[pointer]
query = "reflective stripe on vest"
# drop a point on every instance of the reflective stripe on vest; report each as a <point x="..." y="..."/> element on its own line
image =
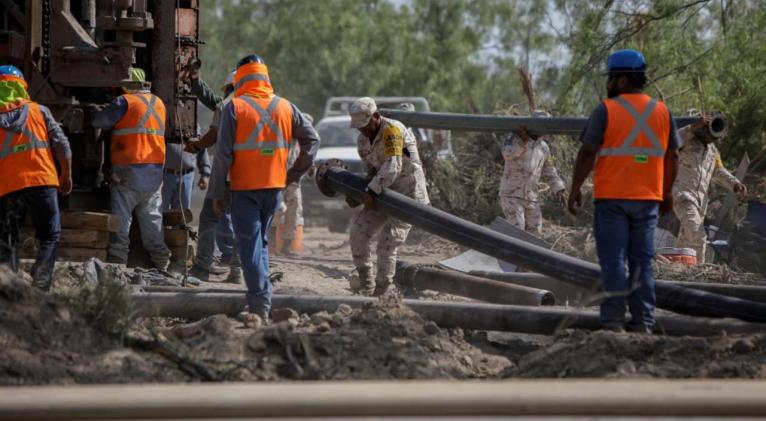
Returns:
<point x="33" y="141"/>
<point x="264" y="118"/>
<point x="141" y="127"/>
<point x="627" y="148"/>
<point x="252" y="77"/>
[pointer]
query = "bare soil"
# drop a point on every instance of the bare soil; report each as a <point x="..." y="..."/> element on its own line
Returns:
<point x="44" y="342"/>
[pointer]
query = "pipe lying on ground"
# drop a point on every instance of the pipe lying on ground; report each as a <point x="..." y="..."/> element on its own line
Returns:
<point x="564" y="291"/>
<point x="570" y="126"/>
<point x="478" y="316"/>
<point x="332" y="180"/>
<point x="457" y="283"/>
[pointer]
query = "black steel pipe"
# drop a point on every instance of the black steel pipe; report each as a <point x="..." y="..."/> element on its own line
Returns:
<point x="565" y="291"/>
<point x="570" y="126"/>
<point x="332" y="180"/>
<point x="457" y="283"/>
<point x="478" y="316"/>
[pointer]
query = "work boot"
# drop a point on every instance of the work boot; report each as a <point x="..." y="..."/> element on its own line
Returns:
<point x="217" y="270"/>
<point x="199" y="273"/>
<point x="361" y="283"/>
<point x="42" y="276"/>
<point x="381" y="288"/>
<point x="639" y="328"/>
<point x="235" y="276"/>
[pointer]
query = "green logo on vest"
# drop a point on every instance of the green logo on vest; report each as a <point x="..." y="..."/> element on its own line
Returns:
<point x="267" y="151"/>
<point x="151" y="131"/>
<point x="641" y="159"/>
<point x="20" y="148"/>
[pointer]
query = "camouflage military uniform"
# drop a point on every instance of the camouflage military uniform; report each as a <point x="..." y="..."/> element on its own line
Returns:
<point x="290" y="212"/>
<point x="698" y="164"/>
<point x="519" y="190"/>
<point x="393" y="162"/>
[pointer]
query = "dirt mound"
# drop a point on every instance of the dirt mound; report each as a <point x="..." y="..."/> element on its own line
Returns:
<point x="610" y="354"/>
<point x="707" y="272"/>
<point x="384" y="340"/>
<point x="43" y="342"/>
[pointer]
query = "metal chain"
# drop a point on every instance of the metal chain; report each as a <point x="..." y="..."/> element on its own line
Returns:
<point x="46" y="34"/>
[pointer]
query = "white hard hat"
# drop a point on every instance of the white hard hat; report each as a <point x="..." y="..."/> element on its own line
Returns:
<point x="229" y="79"/>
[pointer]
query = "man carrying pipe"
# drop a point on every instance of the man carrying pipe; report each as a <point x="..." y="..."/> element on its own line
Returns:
<point x="698" y="163"/>
<point x="390" y="153"/>
<point x="254" y="138"/>
<point x="527" y="157"/>
<point x="631" y="140"/>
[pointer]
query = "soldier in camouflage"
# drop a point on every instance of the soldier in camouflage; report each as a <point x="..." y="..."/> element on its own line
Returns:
<point x="390" y="153"/>
<point x="699" y="162"/>
<point x="527" y="157"/>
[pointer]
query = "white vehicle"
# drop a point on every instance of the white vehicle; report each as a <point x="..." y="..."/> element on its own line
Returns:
<point x="338" y="140"/>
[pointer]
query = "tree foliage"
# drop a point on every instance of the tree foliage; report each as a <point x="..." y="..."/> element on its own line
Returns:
<point x="462" y="56"/>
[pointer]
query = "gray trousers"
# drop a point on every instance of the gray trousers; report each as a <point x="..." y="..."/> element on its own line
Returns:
<point x="146" y="206"/>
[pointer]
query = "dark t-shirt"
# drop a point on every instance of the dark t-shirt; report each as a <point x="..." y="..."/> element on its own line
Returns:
<point x="593" y="133"/>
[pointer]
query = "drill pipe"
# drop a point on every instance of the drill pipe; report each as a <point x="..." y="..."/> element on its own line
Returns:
<point x="478" y="316"/>
<point x="332" y="180"/>
<point x="457" y="283"/>
<point x="570" y="126"/>
<point x="562" y="289"/>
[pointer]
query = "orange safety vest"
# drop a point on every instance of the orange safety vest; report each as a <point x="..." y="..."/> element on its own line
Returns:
<point x="261" y="143"/>
<point x="26" y="159"/>
<point x="139" y="136"/>
<point x="630" y="164"/>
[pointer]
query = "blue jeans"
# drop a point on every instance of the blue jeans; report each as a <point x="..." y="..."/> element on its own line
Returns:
<point x="42" y="204"/>
<point x="146" y="206"/>
<point x="624" y="230"/>
<point x="251" y="213"/>
<point x="175" y="196"/>
<point x="224" y="237"/>
<point x="211" y="228"/>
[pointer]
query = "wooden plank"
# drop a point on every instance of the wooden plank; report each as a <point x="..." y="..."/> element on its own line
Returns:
<point x="175" y="217"/>
<point x="82" y="220"/>
<point x="91" y="239"/>
<point x="75" y="254"/>
<point x="91" y="220"/>
<point x="176" y="237"/>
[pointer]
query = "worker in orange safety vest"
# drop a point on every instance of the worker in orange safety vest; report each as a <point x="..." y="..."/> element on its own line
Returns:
<point x="631" y="141"/>
<point x="31" y="144"/>
<point x="137" y="122"/>
<point x="254" y="137"/>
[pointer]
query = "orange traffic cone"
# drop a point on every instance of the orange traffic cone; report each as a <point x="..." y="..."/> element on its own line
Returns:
<point x="279" y="240"/>
<point x="297" y="244"/>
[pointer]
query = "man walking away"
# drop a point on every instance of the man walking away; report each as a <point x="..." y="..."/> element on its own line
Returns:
<point x="631" y="138"/>
<point x="137" y="122"/>
<point x="30" y="139"/>
<point x="254" y="137"/>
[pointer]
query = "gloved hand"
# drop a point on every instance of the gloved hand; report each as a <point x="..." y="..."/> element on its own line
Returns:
<point x="666" y="206"/>
<point x="575" y="202"/>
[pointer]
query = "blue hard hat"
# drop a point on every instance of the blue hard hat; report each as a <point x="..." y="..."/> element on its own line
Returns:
<point x="626" y="61"/>
<point x="252" y="58"/>
<point x="9" y="70"/>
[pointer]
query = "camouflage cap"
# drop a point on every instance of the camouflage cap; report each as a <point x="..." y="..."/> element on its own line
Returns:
<point x="361" y="111"/>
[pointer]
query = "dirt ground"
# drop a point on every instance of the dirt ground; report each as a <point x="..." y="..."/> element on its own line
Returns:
<point x="44" y="342"/>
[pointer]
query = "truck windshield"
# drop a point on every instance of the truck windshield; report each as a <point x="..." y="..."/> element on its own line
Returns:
<point x="339" y="135"/>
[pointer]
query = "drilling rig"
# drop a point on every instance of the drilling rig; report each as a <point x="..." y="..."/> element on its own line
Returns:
<point x="77" y="55"/>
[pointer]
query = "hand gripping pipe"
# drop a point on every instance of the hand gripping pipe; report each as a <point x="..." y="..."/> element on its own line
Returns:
<point x="332" y="179"/>
<point x="570" y="126"/>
